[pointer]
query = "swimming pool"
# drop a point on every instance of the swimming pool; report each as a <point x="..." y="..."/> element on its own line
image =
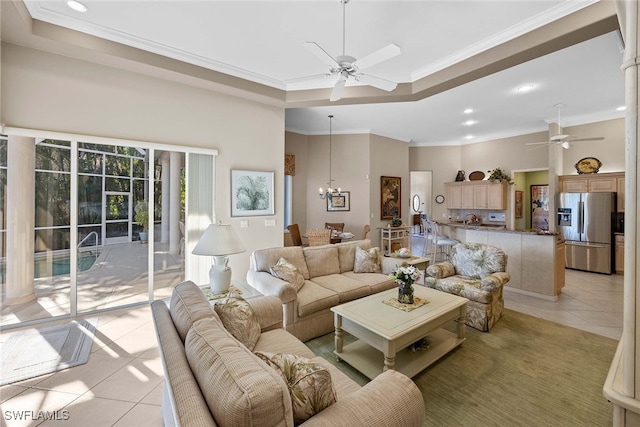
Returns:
<point x="59" y="265"/>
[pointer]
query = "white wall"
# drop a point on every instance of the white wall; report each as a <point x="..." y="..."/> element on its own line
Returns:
<point x="50" y="92"/>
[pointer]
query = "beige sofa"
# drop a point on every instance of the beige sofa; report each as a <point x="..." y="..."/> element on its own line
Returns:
<point x="329" y="281"/>
<point x="211" y="379"/>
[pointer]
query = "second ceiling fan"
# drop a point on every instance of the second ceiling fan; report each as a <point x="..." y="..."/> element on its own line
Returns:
<point x="345" y="67"/>
<point x="563" y="140"/>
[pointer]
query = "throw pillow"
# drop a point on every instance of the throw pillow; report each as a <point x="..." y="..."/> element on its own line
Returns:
<point x="288" y="272"/>
<point x="367" y="261"/>
<point x="309" y="383"/>
<point x="239" y="319"/>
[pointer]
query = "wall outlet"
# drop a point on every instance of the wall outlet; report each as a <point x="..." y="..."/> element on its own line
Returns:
<point x="244" y="224"/>
<point x="269" y="222"/>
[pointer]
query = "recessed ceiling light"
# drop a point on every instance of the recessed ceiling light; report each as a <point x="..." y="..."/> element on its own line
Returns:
<point x="468" y="111"/>
<point x="468" y="137"/>
<point x="525" y="88"/>
<point x="621" y="108"/>
<point x="77" y="6"/>
<point x="470" y="122"/>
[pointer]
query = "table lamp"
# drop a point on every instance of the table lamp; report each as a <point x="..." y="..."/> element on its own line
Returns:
<point x="218" y="241"/>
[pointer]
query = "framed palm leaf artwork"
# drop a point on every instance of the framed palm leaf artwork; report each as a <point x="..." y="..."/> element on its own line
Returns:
<point x="251" y="193"/>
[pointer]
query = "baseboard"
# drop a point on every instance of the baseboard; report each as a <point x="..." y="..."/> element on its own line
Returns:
<point x="552" y="298"/>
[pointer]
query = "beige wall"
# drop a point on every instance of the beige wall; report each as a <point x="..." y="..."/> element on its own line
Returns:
<point x="50" y="92"/>
<point x="298" y="145"/>
<point x="609" y="151"/>
<point x="389" y="157"/>
<point x="512" y="154"/>
<point x="349" y="170"/>
<point x="444" y="162"/>
<point x="358" y="162"/>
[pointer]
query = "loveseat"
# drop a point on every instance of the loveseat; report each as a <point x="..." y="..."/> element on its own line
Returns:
<point x="329" y="280"/>
<point x="212" y="379"/>
<point x="477" y="272"/>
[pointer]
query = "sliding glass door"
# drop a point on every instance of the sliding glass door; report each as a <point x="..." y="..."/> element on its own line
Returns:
<point x="100" y="212"/>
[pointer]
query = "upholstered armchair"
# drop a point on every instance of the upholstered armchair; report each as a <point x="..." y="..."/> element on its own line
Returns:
<point x="477" y="272"/>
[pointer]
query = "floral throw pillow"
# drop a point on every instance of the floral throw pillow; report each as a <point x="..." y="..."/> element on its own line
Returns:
<point x="367" y="261"/>
<point x="288" y="272"/>
<point x="239" y="319"/>
<point x="309" y="383"/>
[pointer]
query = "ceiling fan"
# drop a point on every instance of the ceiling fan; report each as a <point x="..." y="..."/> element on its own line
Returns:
<point x="563" y="140"/>
<point x="345" y="67"/>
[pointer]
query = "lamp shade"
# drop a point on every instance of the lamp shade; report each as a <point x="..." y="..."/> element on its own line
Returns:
<point x="219" y="240"/>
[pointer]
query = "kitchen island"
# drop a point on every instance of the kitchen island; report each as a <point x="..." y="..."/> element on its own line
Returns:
<point x="535" y="258"/>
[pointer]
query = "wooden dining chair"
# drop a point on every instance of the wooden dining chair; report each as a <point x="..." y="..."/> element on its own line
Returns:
<point x="338" y="226"/>
<point x="319" y="237"/>
<point x="365" y="231"/>
<point x="294" y="231"/>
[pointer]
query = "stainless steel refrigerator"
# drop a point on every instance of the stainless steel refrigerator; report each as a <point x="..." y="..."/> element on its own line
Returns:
<point x="585" y="221"/>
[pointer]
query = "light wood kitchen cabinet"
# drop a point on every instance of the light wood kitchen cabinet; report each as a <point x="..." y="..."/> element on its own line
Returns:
<point x="596" y="183"/>
<point x="497" y="195"/>
<point x="468" y="197"/>
<point x="559" y="266"/>
<point x="477" y="195"/>
<point x="620" y="253"/>
<point x="620" y="194"/>
<point x="454" y="196"/>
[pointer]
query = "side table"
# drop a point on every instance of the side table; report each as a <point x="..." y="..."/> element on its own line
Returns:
<point x="421" y="263"/>
<point x="246" y="291"/>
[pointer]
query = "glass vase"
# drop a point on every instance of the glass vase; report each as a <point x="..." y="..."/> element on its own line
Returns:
<point x="405" y="293"/>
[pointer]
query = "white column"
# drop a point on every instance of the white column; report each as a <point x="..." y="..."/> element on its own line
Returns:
<point x="21" y="155"/>
<point x="165" y="200"/>
<point x="622" y="386"/>
<point x="174" y="205"/>
<point x="629" y="14"/>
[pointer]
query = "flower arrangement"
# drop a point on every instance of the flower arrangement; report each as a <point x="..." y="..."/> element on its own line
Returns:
<point x="404" y="275"/>
<point x="499" y="174"/>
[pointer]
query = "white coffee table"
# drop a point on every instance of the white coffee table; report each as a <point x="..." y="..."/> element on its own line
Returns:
<point x="385" y="332"/>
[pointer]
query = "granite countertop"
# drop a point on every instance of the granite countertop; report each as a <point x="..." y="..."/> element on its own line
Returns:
<point x="498" y="228"/>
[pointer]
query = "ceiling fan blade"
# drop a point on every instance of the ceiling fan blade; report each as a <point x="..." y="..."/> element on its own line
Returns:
<point x="378" y="82"/>
<point x="317" y="77"/>
<point x="559" y="138"/>
<point x="387" y="52"/>
<point x="593" y="138"/>
<point x="537" y="143"/>
<point x="535" y="148"/>
<point x="321" y="54"/>
<point x="336" y="94"/>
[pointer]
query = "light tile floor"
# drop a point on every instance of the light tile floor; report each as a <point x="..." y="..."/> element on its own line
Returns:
<point x="121" y="385"/>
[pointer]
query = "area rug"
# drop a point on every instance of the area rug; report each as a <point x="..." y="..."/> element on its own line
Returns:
<point x="41" y="351"/>
<point x="525" y="372"/>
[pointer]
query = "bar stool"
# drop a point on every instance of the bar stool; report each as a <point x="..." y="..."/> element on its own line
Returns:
<point x="439" y="244"/>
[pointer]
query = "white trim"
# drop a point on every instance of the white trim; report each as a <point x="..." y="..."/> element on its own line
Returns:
<point x="35" y="133"/>
<point x="560" y="11"/>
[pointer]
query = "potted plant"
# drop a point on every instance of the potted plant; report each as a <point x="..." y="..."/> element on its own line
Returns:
<point x="499" y="174"/>
<point x="142" y="218"/>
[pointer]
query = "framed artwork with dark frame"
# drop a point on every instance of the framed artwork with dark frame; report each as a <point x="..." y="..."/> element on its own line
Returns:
<point x="339" y="202"/>
<point x="518" y="204"/>
<point x="251" y="193"/>
<point x="540" y="207"/>
<point x="390" y="197"/>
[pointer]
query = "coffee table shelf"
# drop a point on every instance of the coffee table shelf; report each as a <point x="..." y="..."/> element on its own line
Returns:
<point x="369" y="360"/>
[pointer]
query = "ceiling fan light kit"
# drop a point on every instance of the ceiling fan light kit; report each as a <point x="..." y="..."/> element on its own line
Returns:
<point x="345" y="66"/>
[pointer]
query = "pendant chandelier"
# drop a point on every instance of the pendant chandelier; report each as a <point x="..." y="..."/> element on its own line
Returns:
<point x="331" y="190"/>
